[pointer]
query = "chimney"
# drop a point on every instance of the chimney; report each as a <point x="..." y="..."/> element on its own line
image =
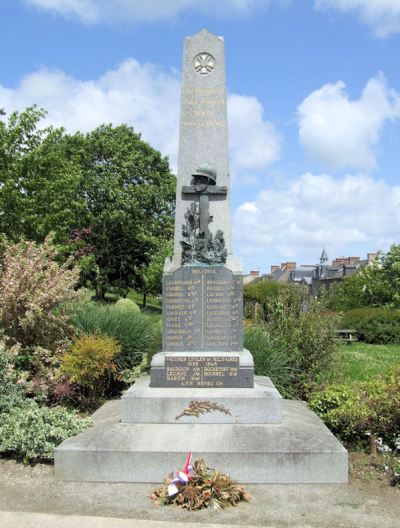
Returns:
<point x="274" y="268"/>
<point x="338" y="262"/>
<point x="254" y="273"/>
<point x="291" y="266"/>
<point x="371" y="257"/>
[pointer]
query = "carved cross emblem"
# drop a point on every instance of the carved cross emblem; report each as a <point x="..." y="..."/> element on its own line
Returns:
<point x="204" y="63"/>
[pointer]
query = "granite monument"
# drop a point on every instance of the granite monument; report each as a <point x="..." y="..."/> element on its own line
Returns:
<point x="202" y="395"/>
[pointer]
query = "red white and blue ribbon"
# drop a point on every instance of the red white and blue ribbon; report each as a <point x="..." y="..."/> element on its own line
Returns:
<point x="181" y="477"/>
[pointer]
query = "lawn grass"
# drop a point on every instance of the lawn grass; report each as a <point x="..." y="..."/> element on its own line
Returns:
<point x="153" y="303"/>
<point x="362" y="361"/>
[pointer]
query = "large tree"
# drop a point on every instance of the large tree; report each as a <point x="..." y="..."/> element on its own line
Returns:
<point x="39" y="184"/>
<point x="106" y="194"/>
<point x="129" y="192"/>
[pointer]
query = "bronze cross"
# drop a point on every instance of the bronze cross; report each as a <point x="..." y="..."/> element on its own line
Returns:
<point x="204" y="189"/>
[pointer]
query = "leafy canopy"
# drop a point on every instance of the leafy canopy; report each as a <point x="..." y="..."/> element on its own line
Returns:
<point x="108" y="196"/>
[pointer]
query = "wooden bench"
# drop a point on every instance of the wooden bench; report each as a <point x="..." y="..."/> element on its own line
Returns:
<point x="347" y="335"/>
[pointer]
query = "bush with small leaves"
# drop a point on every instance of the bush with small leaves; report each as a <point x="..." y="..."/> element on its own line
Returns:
<point x="353" y="411"/>
<point x="11" y="392"/>
<point x="32" y="432"/>
<point x="296" y="340"/>
<point x="374" y="325"/>
<point x="90" y="361"/>
<point x="127" y="305"/>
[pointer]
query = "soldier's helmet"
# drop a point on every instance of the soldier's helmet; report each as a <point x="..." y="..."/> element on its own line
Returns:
<point x="207" y="171"/>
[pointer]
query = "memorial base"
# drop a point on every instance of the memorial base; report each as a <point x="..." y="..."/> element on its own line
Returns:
<point x="298" y="450"/>
<point x="145" y="404"/>
<point x="202" y="370"/>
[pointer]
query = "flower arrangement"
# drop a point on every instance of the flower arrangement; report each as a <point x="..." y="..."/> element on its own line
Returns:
<point x="197" y="487"/>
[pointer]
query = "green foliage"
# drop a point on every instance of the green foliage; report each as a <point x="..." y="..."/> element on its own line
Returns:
<point x="374" y="286"/>
<point x="272" y="358"/>
<point x="129" y="194"/>
<point x="150" y="282"/>
<point x="347" y="294"/>
<point x="374" y="325"/>
<point x="207" y="488"/>
<point x="353" y="410"/>
<point x="127" y="305"/>
<point x="27" y="430"/>
<point x="107" y="195"/>
<point x="262" y="293"/>
<point x="89" y="359"/>
<point x="296" y="340"/>
<point x="396" y="472"/>
<point x="11" y="393"/>
<point x="137" y="333"/>
<point x="31" y="432"/>
<point x="40" y="186"/>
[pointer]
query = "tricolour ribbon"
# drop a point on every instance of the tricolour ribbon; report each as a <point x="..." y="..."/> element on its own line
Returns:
<point x="181" y="477"/>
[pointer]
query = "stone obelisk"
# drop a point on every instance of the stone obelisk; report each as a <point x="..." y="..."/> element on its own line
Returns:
<point x="202" y="283"/>
<point x="203" y="136"/>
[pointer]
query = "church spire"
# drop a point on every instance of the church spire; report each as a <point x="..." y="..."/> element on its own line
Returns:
<point x="324" y="257"/>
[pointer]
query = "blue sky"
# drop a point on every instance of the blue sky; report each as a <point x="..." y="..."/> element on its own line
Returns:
<point x="314" y="104"/>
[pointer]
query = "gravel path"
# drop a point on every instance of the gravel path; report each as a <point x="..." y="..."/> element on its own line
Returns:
<point x="363" y="503"/>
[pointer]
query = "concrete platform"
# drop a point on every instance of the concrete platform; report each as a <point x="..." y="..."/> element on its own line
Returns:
<point x="259" y="405"/>
<point x="300" y="450"/>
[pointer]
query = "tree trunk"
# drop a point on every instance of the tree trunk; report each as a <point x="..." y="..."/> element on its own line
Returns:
<point x="372" y="445"/>
<point x="100" y="292"/>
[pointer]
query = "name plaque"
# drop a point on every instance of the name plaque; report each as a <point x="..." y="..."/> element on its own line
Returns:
<point x="202" y="310"/>
<point x="200" y="371"/>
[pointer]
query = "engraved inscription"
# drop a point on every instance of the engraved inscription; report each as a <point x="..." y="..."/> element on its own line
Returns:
<point x="200" y="371"/>
<point x="204" y="107"/>
<point x="202" y="310"/>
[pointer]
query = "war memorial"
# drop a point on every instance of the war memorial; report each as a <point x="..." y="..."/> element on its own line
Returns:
<point x="202" y="395"/>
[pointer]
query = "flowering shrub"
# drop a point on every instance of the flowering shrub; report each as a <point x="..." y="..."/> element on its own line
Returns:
<point x="33" y="289"/>
<point x="33" y="286"/>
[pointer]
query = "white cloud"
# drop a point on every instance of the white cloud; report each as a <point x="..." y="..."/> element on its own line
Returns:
<point x="143" y="96"/>
<point x="95" y="11"/>
<point x="254" y="143"/>
<point x="354" y="214"/>
<point x="383" y="16"/>
<point x="147" y="98"/>
<point x="340" y="132"/>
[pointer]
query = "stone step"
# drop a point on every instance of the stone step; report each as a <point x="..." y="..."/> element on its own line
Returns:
<point x="259" y="405"/>
<point x="300" y="450"/>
